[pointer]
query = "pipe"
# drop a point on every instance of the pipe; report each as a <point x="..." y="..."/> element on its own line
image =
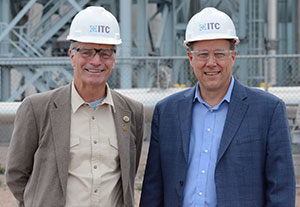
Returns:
<point x="125" y="23"/>
<point x="272" y="40"/>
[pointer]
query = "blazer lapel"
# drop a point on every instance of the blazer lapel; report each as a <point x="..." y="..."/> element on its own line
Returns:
<point x="122" y="128"/>
<point x="235" y="115"/>
<point x="184" y="109"/>
<point x="61" y="121"/>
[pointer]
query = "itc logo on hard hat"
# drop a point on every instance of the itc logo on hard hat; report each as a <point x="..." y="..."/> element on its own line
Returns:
<point x="209" y="26"/>
<point x="99" y="29"/>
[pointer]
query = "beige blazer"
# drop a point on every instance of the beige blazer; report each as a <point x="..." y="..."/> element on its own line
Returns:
<point x="38" y="157"/>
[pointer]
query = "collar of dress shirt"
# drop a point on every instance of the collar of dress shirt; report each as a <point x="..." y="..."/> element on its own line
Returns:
<point x="77" y="101"/>
<point x="226" y="97"/>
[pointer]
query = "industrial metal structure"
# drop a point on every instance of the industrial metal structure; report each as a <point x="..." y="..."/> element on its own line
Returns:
<point x="33" y="32"/>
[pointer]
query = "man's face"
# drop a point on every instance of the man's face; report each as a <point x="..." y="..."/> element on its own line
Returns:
<point x="213" y="73"/>
<point x="91" y="71"/>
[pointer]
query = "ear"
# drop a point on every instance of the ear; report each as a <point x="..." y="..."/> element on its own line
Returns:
<point x="113" y="66"/>
<point x="71" y="54"/>
<point x="190" y="55"/>
<point x="114" y="61"/>
<point x="233" y="56"/>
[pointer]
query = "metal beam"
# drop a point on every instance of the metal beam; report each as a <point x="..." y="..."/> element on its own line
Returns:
<point x="45" y="17"/>
<point x="272" y="39"/>
<point x="142" y="40"/>
<point x="125" y="21"/>
<point x="25" y="86"/>
<point x="28" y="45"/>
<point x="35" y="77"/>
<point x="75" y="5"/>
<point x="142" y="29"/>
<point x="17" y="18"/>
<point x="163" y="26"/>
<point x="242" y="23"/>
<point x="298" y="26"/>
<point x="62" y="21"/>
<point x="5" y="83"/>
<point x="4" y="21"/>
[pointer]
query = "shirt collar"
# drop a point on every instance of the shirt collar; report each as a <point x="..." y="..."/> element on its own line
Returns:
<point x="77" y="101"/>
<point x="226" y="97"/>
<point x="108" y="99"/>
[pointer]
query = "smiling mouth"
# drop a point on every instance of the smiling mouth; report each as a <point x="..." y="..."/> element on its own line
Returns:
<point x="95" y="70"/>
<point x="212" y="73"/>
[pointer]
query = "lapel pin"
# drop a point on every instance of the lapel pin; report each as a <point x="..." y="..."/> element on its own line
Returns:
<point x="126" y="119"/>
<point x="124" y="127"/>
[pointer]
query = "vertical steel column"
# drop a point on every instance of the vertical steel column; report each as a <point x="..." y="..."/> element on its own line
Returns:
<point x="298" y="26"/>
<point x="4" y="50"/>
<point x="168" y="40"/>
<point x="272" y="39"/>
<point x="259" y="78"/>
<point x="5" y="83"/>
<point x="242" y="23"/>
<point x="5" y="17"/>
<point x="242" y="19"/>
<point x="142" y="40"/>
<point x="181" y="11"/>
<point x="125" y="23"/>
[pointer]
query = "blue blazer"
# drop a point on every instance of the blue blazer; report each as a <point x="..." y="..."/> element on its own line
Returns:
<point x="254" y="166"/>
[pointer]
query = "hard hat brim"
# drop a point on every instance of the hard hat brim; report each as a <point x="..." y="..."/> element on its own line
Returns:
<point x="88" y="39"/>
<point x="211" y="37"/>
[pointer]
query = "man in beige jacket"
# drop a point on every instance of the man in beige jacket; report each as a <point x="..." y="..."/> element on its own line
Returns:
<point x="79" y="145"/>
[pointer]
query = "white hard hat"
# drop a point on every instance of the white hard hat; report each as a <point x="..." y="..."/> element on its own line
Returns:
<point x="209" y="24"/>
<point x="95" y="25"/>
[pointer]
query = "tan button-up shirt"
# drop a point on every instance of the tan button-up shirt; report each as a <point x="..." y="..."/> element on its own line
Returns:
<point x="94" y="170"/>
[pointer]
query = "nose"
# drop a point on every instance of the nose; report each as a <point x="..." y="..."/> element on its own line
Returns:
<point x="96" y="60"/>
<point x="211" y="61"/>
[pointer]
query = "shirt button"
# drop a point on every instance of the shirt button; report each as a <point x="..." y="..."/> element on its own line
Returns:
<point x="211" y="110"/>
<point x="202" y="171"/>
<point x="95" y="142"/>
<point x="95" y="166"/>
<point x="209" y="129"/>
<point x="95" y="190"/>
<point x="93" y="117"/>
<point x="206" y="150"/>
<point x="200" y="193"/>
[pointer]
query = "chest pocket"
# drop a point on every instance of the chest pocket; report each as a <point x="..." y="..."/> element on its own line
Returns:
<point x="109" y="152"/>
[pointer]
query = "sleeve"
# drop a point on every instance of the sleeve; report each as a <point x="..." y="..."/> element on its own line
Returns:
<point x="21" y="151"/>
<point x="279" y="170"/>
<point x="152" y="191"/>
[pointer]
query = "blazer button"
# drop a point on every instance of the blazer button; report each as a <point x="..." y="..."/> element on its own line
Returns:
<point x="181" y="183"/>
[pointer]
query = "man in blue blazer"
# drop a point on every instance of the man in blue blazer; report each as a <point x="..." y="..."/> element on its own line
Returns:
<point x="218" y="144"/>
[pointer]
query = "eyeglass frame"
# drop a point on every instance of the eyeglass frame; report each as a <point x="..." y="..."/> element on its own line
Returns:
<point x="216" y="58"/>
<point x="97" y="51"/>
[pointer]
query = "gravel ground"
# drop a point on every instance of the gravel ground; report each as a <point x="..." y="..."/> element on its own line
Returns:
<point x="7" y="200"/>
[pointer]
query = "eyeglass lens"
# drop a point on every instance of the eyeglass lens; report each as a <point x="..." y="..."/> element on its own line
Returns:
<point x="91" y="52"/>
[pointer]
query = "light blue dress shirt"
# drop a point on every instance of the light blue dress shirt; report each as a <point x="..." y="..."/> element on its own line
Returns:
<point x="206" y="132"/>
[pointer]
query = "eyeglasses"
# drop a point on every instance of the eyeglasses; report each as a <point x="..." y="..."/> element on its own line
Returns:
<point x="89" y="53"/>
<point x="219" y="55"/>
